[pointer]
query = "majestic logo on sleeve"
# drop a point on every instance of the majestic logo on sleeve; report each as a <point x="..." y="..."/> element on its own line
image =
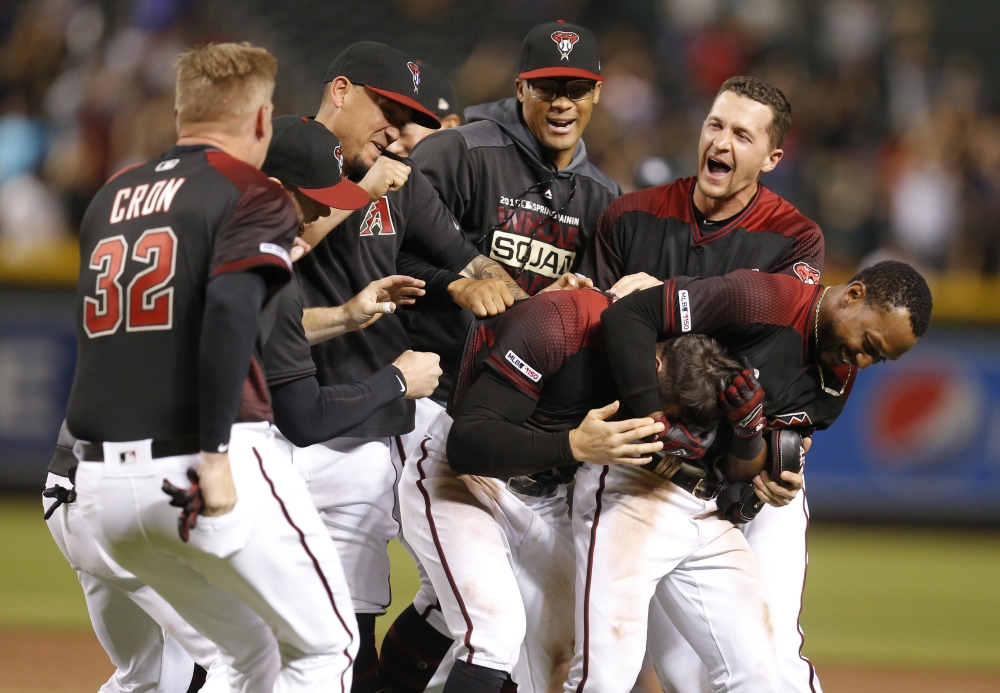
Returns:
<point x="805" y="272"/>
<point x="339" y="153"/>
<point x="378" y="219"/>
<point x="415" y="73"/>
<point x="564" y="42"/>
<point x="528" y="372"/>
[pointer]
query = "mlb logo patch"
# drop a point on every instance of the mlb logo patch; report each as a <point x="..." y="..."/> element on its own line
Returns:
<point x="685" y="307"/>
<point x="127" y="457"/>
<point x="526" y="370"/>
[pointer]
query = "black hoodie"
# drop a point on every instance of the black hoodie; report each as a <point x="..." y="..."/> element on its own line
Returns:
<point x="513" y="205"/>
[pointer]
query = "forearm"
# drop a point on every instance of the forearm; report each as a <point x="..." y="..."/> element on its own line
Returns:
<point x="632" y="326"/>
<point x="315" y="232"/>
<point x="487" y="446"/>
<point x="738" y="469"/>
<point x="229" y="328"/>
<point x="483" y="267"/>
<point x="322" y="324"/>
<point x="437" y="280"/>
<point x="307" y="413"/>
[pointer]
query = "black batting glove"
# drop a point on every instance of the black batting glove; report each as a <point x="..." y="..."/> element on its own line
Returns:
<point x="741" y="397"/>
<point x="680" y="441"/>
<point x="188" y="500"/>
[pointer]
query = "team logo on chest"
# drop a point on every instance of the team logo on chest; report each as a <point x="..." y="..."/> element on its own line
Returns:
<point x="415" y="73"/>
<point x="378" y="219"/>
<point x="564" y="42"/>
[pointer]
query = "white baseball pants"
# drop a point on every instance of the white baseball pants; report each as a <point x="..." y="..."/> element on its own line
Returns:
<point x="777" y="538"/>
<point x="638" y="536"/>
<point x="352" y="483"/>
<point x="501" y="563"/>
<point x="265" y="572"/>
<point x="152" y="647"/>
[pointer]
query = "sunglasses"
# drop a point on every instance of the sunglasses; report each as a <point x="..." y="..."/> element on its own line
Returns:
<point x="550" y="89"/>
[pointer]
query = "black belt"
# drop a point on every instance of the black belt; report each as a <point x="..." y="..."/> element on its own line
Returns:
<point x="688" y="476"/>
<point x="165" y="447"/>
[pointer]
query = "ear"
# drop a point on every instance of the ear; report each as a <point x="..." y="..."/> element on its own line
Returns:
<point x="597" y="91"/>
<point x="450" y="121"/>
<point x="659" y="364"/>
<point x="337" y="89"/>
<point x="274" y="180"/>
<point x="772" y="160"/>
<point x="262" y="122"/>
<point x="521" y="87"/>
<point x="855" y="291"/>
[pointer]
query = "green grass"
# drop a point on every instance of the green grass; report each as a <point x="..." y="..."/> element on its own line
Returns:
<point x="875" y="595"/>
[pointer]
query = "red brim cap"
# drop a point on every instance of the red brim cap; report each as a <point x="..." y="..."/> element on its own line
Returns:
<point x="561" y="72"/>
<point x="343" y="195"/>
<point x="421" y="116"/>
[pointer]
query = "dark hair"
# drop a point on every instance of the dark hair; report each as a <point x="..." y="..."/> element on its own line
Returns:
<point x="692" y="365"/>
<point x="893" y="284"/>
<point x="762" y="92"/>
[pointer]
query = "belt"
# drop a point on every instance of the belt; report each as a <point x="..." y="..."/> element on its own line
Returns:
<point x="688" y="476"/>
<point x="165" y="447"/>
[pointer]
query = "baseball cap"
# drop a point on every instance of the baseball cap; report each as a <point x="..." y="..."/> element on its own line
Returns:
<point x="436" y="93"/>
<point x="385" y="71"/>
<point x="558" y="49"/>
<point x="304" y="154"/>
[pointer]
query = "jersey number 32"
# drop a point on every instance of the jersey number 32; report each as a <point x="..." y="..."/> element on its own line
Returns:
<point x="148" y="300"/>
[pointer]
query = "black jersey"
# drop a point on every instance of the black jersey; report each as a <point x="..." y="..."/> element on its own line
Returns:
<point x="283" y="347"/>
<point x="657" y="231"/>
<point x="767" y="318"/>
<point x="360" y="250"/>
<point x="151" y="239"/>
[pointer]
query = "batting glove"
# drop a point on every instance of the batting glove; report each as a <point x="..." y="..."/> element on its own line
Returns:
<point x="188" y="500"/>
<point x="741" y="397"/>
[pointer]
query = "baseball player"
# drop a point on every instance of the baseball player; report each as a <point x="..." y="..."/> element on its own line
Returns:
<point x="177" y="257"/>
<point x="719" y="221"/>
<point x="807" y="341"/>
<point x="370" y="93"/>
<point x="518" y="179"/>
<point x="438" y="96"/>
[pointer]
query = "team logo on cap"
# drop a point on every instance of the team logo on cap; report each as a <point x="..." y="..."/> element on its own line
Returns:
<point x="564" y="41"/>
<point x="339" y="153"/>
<point x="415" y="73"/>
<point x="807" y="273"/>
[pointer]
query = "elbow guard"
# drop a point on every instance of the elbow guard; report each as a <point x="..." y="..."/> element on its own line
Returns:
<point x="737" y="502"/>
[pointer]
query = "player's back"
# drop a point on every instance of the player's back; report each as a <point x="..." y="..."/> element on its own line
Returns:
<point x="150" y="240"/>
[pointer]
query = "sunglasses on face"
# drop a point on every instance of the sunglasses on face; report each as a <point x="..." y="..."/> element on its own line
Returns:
<point x="550" y="89"/>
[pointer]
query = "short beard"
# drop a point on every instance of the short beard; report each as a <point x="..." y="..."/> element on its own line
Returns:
<point x="356" y="167"/>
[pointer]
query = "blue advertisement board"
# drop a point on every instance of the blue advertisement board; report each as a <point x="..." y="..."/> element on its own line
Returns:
<point x="919" y="438"/>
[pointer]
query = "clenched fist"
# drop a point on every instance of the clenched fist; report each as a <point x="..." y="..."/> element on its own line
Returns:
<point x="387" y="175"/>
<point x="482" y="296"/>
<point x="422" y="370"/>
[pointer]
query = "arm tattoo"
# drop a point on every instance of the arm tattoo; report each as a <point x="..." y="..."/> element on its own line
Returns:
<point x="483" y="267"/>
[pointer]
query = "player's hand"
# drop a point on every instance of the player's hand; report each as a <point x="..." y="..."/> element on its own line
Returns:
<point x="380" y="297"/>
<point x="632" y="283"/>
<point x="569" y="281"/>
<point x="482" y="296"/>
<point x="387" y="175"/>
<point x="218" y="491"/>
<point x="299" y="249"/>
<point x="598" y="441"/>
<point x="741" y="397"/>
<point x="422" y="371"/>
<point x="783" y="492"/>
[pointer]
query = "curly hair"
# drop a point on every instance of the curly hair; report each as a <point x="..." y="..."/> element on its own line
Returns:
<point x="692" y="366"/>
<point x="891" y="284"/>
<point x="762" y="92"/>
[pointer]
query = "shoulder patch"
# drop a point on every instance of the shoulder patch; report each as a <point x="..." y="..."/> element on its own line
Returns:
<point x="684" y="304"/>
<point x="526" y="370"/>
<point x="274" y="249"/>
<point x="806" y="272"/>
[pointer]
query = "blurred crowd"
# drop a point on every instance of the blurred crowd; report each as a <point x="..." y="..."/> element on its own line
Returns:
<point x="893" y="147"/>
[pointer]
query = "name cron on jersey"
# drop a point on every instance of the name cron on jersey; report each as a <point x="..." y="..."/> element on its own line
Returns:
<point x="145" y="199"/>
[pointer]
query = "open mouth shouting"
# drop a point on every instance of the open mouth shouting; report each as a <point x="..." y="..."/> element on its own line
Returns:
<point x="716" y="169"/>
<point x="560" y="125"/>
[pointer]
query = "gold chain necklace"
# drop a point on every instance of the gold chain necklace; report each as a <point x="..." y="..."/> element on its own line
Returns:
<point x="819" y="366"/>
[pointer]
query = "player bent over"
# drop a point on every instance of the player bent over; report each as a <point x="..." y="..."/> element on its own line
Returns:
<point x="179" y="478"/>
<point x="806" y="342"/>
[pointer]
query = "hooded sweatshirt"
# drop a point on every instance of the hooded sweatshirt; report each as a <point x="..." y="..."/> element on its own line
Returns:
<point x="513" y="205"/>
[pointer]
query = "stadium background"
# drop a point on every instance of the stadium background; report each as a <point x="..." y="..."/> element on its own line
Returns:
<point x="894" y="150"/>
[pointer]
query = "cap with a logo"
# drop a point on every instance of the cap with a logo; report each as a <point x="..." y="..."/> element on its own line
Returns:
<point x="305" y="155"/>
<point x="385" y="71"/>
<point x="436" y="92"/>
<point x="558" y="49"/>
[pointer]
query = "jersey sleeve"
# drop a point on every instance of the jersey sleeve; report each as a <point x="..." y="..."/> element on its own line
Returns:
<point x="443" y="158"/>
<point x="805" y="261"/>
<point x="432" y="231"/>
<point x="261" y="229"/>
<point x="533" y="340"/>
<point x="286" y="352"/>
<point x="602" y="260"/>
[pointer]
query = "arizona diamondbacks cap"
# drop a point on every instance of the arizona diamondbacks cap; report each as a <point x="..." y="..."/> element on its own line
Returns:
<point x="385" y="71"/>
<point x="436" y="92"/>
<point x="304" y="154"/>
<point x="558" y="49"/>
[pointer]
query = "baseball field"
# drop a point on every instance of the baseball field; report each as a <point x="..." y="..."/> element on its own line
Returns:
<point x="888" y="609"/>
